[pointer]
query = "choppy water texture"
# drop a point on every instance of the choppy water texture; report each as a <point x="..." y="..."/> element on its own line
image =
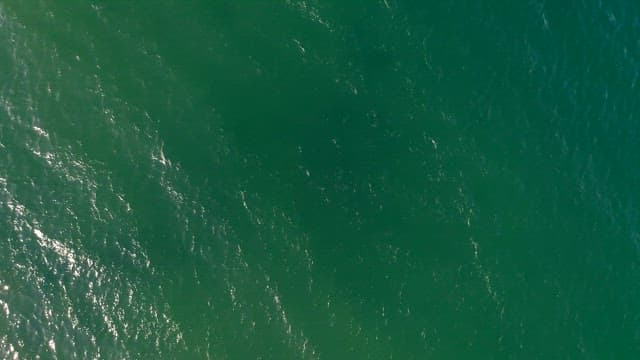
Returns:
<point x="314" y="179"/>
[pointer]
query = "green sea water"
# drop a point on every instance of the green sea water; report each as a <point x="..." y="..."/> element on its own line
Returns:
<point x="306" y="179"/>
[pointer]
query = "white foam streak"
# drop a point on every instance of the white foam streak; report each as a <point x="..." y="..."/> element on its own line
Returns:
<point x="65" y="254"/>
<point x="52" y="345"/>
<point x="5" y="308"/>
<point x="7" y="349"/>
<point x="40" y="131"/>
<point x="311" y="13"/>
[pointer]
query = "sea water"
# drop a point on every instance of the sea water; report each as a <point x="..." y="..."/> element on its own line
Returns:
<point x="313" y="179"/>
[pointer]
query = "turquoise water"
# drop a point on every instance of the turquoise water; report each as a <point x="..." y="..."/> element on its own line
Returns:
<point x="313" y="179"/>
